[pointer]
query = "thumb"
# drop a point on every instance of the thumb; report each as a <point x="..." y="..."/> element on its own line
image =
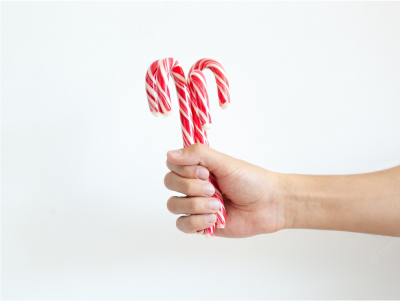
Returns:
<point x="200" y="154"/>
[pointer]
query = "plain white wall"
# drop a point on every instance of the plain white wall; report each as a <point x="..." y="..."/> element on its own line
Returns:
<point x="315" y="89"/>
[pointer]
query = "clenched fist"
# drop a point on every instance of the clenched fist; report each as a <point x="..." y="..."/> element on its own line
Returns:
<point x="252" y="203"/>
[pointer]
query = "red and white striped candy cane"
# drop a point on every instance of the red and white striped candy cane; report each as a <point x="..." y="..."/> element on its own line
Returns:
<point x="151" y="88"/>
<point x="159" y="98"/>
<point x="222" y="85"/>
<point x="202" y="117"/>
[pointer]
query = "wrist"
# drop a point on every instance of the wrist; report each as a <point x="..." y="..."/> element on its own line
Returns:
<point x="309" y="201"/>
<point x="293" y="201"/>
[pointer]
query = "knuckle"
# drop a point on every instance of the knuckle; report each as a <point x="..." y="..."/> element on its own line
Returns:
<point x="185" y="172"/>
<point x="167" y="179"/>
<point x="191" y="224"/>
<point x="188" y="186"/>
<point x="180" y="224"/>
<point x="199" y="187"/>
<point x="189" y="172"/>
<point x="195" y="188"/>
<point x="199" y="148"/>
<point x="194" y="205"/>
<point x="171" y="205"/>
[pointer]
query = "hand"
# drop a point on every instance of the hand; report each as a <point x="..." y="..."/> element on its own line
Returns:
<point x="253" y="204"/>
<point x="259" y="201"/>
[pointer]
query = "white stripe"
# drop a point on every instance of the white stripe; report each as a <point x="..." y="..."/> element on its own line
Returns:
<point x="203" y="116"/>
<point x="154" y="104"/>
<point x="203" y="80"/>
<point x="150" y="75"/>
<point x="162" y="69"/>
<point x="184" y="113"/>
<point x="202" y="100"/>
<point x="163" y="93"/>
<point x="151" y="91"/>
<point x="178" y="76"/>
<point x="218" y="67"/>
<point x="187" y="135"/>
<point x="221" y="81"/>
<point x="223" y="93"/>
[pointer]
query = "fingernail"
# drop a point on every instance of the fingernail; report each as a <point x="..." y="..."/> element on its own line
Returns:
<point x="202" y="173"/>
<point x="209" y="189"/>
<point x="210" y="218"/>
<point x="214" y="204"/>
<point x="175" y="153"/>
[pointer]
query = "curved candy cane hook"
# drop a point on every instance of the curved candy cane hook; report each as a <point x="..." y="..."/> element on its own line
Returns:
<point x="197" y="85"/>
<point x="151" y="88"/>
<point x="157" y="78"/>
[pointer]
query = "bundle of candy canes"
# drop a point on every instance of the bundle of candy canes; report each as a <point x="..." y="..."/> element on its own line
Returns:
<point x="194" y="107"/>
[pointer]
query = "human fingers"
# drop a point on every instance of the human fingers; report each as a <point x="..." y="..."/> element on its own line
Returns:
<point x="190" y="187"/>
<point x="194" y="223"/>
<point x="189" y="172"/>
<point x="193" y="205"/>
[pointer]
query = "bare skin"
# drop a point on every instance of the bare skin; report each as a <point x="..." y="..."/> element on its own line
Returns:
<point x="259" y="201"/>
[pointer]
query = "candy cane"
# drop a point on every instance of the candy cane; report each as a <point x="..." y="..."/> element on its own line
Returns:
<point x="151" y="88"/>
<point x="222" y="85"/>
<point x="202" y="117"/>
<point x="159" y="98"/>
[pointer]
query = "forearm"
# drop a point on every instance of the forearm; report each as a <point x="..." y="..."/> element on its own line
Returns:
<point x="367" y="203"/>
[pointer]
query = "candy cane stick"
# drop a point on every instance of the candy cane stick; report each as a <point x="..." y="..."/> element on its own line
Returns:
<point x="202" y="117"/>
<point x="158" y="95"/>
<point x="160" y="102"/>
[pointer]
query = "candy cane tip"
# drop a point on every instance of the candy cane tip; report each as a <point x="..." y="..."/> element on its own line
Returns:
<point x="208" y="236"/>
<point x="155" y="113"/>
<point x="220" y="226"/>
<point x="167" y="113"/>
<point x="225" y="105"/>
<point x="207" y="126"/>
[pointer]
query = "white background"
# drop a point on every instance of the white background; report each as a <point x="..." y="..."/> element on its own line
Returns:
<point x="315" y="89"/>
